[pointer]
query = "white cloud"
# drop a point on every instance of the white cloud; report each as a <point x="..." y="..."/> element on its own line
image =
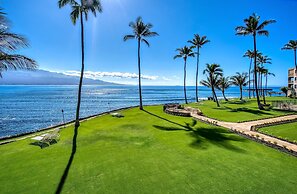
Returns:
<point x="98" y="75"/>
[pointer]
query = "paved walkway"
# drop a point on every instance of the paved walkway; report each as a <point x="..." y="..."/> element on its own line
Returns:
<point x="245" y="128"/>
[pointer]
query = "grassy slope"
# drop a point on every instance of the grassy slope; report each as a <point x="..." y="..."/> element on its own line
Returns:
<point x="236" y="111"/>
<point x="286" y="131"/>
<point x="148" y="153"/>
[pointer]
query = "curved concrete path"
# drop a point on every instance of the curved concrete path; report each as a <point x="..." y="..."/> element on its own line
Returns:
<point x="245" y="128"/>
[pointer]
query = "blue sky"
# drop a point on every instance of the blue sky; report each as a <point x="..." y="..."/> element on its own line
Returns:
<point x="55" y="41"/>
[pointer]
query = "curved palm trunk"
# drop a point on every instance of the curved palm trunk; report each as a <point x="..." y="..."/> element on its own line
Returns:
<point x="215" y="96"/>
<point x="250" y="79"/>
<point x="185" y="76"/>
<point x="240" y="88"/>
<point x="263" y="91"/>
<point x="197" y="72"/>
<point x="223" y="92"/>
<point x="139" y="77"/>
<point x="255" y="73"/>
<point x="266" y="84"/>
<point x="81" y="72"/>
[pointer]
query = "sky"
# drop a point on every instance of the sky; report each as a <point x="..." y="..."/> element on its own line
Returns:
<point x="55" y="41"/>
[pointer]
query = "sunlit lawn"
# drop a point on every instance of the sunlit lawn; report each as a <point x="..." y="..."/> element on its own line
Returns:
<point x="147" y="152"/>
<point x="237" y="111"/>
<point x="285" y="131"/>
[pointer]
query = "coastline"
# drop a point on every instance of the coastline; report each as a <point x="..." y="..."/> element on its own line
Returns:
<point x="5" y="139"/>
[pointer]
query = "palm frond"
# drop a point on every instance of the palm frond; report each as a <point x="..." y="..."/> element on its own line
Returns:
<point x="129" y="37"/>
<point x="146" y="42"/>
<point x="11" y="42"/>
<point x="15" y="62"/>
<point x="75" y="14"/>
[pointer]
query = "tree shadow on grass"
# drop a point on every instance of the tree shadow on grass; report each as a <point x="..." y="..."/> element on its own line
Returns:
<point x="214" y="135"/>
<point x="66" y="171"/>
<point x="248" y="110"/>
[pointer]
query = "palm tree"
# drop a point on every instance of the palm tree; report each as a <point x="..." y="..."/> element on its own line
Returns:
<point x="78" y="10"/>
<point x="254" y="27"/>
<point x="9" y="44"/>
<point x="285" y="90"/>
<point x="266" y="74"/>
<point x="208" y="83"/>
<point x="250" y="55"/>
<point x="240" y="79"/>
<point x="223" y="84"/>
<point x="292" y="45"/>
<point x="198" y="42"/>
<point x="262" y="60"/>
<point x="213" y="72"/>
<point x="140" y="32"/>
<point x="184" y="53"/>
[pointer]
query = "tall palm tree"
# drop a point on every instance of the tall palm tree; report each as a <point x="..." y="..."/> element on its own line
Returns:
<point x="197" y="42"/>
<point x="250" y="55"/>
<point x="223" y="84"/>
<point x="78" y="10"/>
<point x="266" y="73"/>
<point x="209" y="84"/>
<point x="240" y="80"/>
<point x="9" y="44"/>
<point x="254" y="27"/>
<point x="140" y="32"/>
<point x="292" y="45"/>
<point x="213" y="72"/>
<point x="261" y="61"/>
<point x="184" y="53"/>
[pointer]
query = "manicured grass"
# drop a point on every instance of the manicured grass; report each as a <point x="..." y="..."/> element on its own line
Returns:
<point x="238" y="111"/>
<point x="147" y="152"/>
<point x="285" y="131"/>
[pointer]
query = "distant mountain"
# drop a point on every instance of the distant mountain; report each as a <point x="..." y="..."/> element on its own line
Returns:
<point x="42" y="77"/>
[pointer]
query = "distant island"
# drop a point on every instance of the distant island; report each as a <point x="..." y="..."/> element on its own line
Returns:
<point x="43" y="77"/>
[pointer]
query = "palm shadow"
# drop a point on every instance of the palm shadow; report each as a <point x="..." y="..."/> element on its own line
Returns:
<point x="248" y="110"/>
<point x="70" y="160"/>
<point x="203" y="136"/>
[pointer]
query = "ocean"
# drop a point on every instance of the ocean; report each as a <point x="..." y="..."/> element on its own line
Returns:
<point x="29" y="108"/>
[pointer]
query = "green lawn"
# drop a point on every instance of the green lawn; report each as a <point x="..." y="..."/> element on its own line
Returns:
<point x="285" y="131"/>
<point x="237" y="111"/>
<point x="147" y="152"/>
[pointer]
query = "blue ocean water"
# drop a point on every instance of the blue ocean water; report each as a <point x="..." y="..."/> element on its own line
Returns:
<point x="28" y="108"/>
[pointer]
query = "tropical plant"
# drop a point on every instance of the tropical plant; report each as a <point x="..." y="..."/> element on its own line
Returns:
<point x="291" y="45"/>
<point x="184" y="53"/>
<point x="261" y="61"/>
<point x="223" y="84"/>
<point x="9" y="44"/>
<point x="78" y="11"/>
<point x="208" y="83"/>
<point x="197" y="42"/>
<point x="213" y="72"/>
<point x="240" y="80"/>
<point x="140" y="32"/>
<point x="285" y="90"/>
<point x="250" y="55"/>
<point x="266" y="74"/>
<point x="254" y="27"/>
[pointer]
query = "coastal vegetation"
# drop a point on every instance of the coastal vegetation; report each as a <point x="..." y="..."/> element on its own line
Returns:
<point x="9" y="44"/>
<point x="240" y="80"/>
<point x="141" y="31"/>
<point x="184" y="53"/>
<point x="213" y="73"/>
<point x="197" y="42"/>
<point x="223" y="84"/>
<point x="163" y="154"/>
<point x="254" y="27"/>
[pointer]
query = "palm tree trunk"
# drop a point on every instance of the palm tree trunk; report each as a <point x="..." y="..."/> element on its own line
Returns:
<point x="255" y="73"/>
<point x="185" y="76"/>
<point x="81" y="72"/>
<point x="295" y="59"/>
<point x="197" y="72"/>
<point x="223" y="92"/>
<point x="139" y="77"/>
<point x="266" y="84"/>
<point x="250" y="79"/>
<point x="215" y="96"/>
<point x="240" y="88"/>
